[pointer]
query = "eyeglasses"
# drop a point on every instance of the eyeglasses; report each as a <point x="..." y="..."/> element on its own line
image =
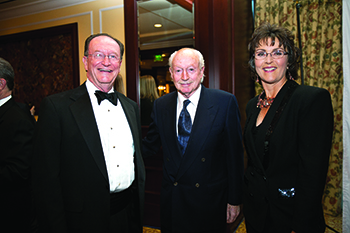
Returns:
<point x="276" y="54"/>
<point x="100" y="57"/>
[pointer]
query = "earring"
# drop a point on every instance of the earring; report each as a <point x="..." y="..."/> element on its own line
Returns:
<point x="290" y="77"/>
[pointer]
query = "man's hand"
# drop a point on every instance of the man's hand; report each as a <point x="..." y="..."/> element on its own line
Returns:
<point x="232" y="213"/>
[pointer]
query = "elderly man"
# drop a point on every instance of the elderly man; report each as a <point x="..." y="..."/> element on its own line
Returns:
<point x="17" y="130"/>
<point x="88" y="172"/>
<point x="199" y="130"/>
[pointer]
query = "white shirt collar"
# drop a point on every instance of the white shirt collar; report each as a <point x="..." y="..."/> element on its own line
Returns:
<point x="194" y="98"/>
<point x="4" y="100"/>
<point x="91" y="88"/>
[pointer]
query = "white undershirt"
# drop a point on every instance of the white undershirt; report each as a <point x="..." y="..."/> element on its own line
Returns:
<point x="191" y="107"/>
<point x="116" y="139"/>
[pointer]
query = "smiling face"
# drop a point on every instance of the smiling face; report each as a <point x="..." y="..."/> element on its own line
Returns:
<point x="186" y="72"/>
<point x="102" y="73"/>
<point x="271" y="71"/>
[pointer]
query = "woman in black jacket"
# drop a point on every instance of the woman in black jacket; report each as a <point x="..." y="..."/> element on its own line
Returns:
<point x="288" y="137"/>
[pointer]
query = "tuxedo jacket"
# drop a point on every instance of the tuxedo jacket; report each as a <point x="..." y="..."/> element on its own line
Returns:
<point x="197" y="186"/>
<point x="296" y="163"/>
<point x="69" y="172"/>
<point x="17" y="130"/>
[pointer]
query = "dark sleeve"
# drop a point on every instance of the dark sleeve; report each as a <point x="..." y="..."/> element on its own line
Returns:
<point x="315" y="132"/>
<point x="16" y="149"/>
<point x="235" y="161"/>
<point x="46" y="170"/>
<point x="152" y="142"/>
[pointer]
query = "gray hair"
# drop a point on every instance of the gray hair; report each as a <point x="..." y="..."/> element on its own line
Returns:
<point x="7" y="73"/>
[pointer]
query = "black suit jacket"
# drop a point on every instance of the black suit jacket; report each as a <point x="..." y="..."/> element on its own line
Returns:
<point x="197" y="187"/>
<point x="299" y="150"/>
<point x="69" y="172"/>
<point x="17" y="130"/>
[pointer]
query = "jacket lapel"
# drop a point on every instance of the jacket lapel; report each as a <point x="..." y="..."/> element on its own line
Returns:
<point x="204" y="119"/>
<point x="85" y="119"/>
<point x="251" y="122"/>
<point x="169" y="128"/>
<point x="6" y="106"/>
<point x="131" y="117"/>
<point x="249" y="140"/>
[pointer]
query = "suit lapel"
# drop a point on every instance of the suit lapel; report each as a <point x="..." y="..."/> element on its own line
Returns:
<point x="6" y="106"/>
<point x="169" y="127"/>
<point x="131" y="117"/>
<point x="204" y="119"/>
<point x="85" y="119"/>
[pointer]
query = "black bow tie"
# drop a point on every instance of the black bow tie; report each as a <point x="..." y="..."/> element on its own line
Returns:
<point x="112" y="97"/>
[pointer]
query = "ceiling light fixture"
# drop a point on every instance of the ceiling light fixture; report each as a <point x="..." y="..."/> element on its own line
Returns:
<point x="158" y="25"/>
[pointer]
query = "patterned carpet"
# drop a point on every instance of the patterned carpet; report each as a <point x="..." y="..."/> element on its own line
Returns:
<point x="150" y="230"/>
<point x="333" y="222"/>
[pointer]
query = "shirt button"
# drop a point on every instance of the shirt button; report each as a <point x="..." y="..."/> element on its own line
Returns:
<point x="203" y="160"/>
<point x="175" y="184"/>
<point x="197" y="185"/>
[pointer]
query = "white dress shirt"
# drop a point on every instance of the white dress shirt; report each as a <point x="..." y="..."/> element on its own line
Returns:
<point x="191" y="107"/>
<point x="116" y="139"/>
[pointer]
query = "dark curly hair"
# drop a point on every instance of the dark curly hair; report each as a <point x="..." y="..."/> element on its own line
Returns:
<point x="286" y="41"/>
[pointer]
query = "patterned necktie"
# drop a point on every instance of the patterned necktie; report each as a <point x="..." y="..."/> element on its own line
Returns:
<point x="184" y="126"/>
<point x="112" y="97"/>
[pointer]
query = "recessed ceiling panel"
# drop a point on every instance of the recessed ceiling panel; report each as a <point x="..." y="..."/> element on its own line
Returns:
<point x="177" y="24"/>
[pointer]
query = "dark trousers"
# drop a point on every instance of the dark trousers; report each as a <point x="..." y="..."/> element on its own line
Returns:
<point x="221" y="230"/>
<point x="125" y="216"/>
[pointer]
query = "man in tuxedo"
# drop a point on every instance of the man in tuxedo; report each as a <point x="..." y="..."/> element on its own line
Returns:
<point x="17" y="130"/>
<point x="88" y="172"/>
<point x="199" y="130"/>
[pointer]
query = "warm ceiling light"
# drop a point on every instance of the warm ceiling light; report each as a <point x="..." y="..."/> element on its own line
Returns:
<point x="158" y="25"/>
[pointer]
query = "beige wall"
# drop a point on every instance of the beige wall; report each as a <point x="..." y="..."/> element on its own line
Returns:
<point x="92" y="17"/>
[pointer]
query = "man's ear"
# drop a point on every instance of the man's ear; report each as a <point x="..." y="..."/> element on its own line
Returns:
<point x="171" y="73"/>
<point x="2" y="83"/>
<point x="85" y="63"/>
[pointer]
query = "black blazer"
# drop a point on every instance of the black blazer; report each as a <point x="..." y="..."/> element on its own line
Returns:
<point x="197" y="187"/>
<point x="17" y="130"/>
<point x="299" y="150"/>
<point x="69" y="172"/>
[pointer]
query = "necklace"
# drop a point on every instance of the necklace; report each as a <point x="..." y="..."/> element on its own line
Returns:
<point x="264" y="102"/>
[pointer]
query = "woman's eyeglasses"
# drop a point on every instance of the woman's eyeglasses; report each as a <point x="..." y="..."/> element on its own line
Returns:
<point x="275" y="54"/>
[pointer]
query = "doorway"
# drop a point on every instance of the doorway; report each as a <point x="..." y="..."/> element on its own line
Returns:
<point x="163" y="26"/>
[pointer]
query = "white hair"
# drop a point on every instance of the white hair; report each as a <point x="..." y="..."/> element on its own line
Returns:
<point x="199" y="56"/>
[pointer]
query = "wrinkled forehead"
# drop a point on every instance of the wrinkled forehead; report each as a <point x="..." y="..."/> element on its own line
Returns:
<point x="185" y="59"/>
<point x="104" y="43"/>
